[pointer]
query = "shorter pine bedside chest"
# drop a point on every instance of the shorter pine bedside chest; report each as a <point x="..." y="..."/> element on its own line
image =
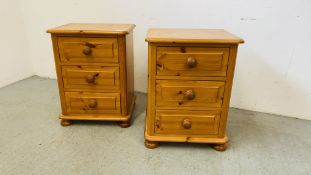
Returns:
<point x="190" y="75"/>
<point x="94" y="66"/>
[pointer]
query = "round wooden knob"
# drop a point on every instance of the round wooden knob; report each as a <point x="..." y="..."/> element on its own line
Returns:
<point x="189" y="94"/>
<point x="92" y="103"/>
<point x="90" y="79"/>
<point x="186" y="123"/>
<point x="87" y="50"/>
<point x="191" y="62"/>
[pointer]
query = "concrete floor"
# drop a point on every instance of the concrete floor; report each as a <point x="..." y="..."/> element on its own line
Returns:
<point x="33" y="142"/>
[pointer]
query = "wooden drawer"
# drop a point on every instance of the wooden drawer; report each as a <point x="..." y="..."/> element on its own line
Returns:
<point x="88" y="50"/>
<point x="187" y="122"/>
<point x="92" y="103"/>
<point x="178" y="93"/>
<point x="192" y="61"/>
<point x="91" y="77"/>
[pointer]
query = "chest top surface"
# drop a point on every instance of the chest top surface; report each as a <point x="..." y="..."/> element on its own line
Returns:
<point x="165" y="35"/>
<point x="92" y="28"/>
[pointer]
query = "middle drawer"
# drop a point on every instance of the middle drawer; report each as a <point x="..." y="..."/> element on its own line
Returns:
<point x="91" y="77"/>
<point x="178" y="93"/>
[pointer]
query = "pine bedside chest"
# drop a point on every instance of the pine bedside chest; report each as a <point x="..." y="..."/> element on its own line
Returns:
<point x="190" y="75"/>
<point x="94" y="66"/>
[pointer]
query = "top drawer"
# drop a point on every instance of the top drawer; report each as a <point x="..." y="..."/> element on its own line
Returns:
<point x="192" y="61"/>
<point x="88" y="50"/>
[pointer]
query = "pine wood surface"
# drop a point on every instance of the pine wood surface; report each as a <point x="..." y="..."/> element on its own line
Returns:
<point x="201" y="122"/>
<point x="91" y="77"/>
<point x="102" y="49"/>
<point x="92" y="103"/>
<point x="92" y="28"/>
<point x="173" y="93"/>
<point x="167" y="35"/>
<point x="92" y="72"/>
<point x="172" y="61"/>
<point x="190" y="76"/>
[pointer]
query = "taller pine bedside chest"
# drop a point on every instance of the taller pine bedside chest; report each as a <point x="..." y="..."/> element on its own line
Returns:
<point x="190" y="75"/>
<point x="94" y="66"/>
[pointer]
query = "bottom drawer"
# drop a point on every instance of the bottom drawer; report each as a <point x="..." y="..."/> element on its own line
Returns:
<point x="92" y="103"/>
<point x="178" y="122"/>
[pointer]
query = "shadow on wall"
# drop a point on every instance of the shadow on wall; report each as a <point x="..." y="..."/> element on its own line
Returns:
<point x="140" y="106"/>
<point x="259" y="86"/>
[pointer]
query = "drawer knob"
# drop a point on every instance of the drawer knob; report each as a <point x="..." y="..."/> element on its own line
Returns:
<point x="90" y="79"/>
<point x="87" y="50"/>
<point x="186" y="123"/>
<point x="189" y="94"/>
<point x="191" y="62"/>
<point x="92" y="103"/>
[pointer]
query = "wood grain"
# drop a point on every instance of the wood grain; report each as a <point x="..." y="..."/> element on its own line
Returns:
<point x="105" y="78"/>
<point x="123" y="75"/>
<point x="129" y="67"/>
<point x="92" y="28"/>
<point x="166" y="35"/>
<point x="212" y="139"/>
<point x="101" y="117"/>
<point x="226" y="103"/>
<point x="79" y="103"/>
<point x="172" y="61"/>
<point x="101" y="50"/>
<point x="190" y="76"/>
<point x="91" y="65"/>
<point x="150" y="121"/>
<point x="171" y="93"/>
<point x="170" y="122"/>
<point x="59" y="73"/>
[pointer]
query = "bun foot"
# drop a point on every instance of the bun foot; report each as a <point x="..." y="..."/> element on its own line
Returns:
<point x="219" y="147"/>
<point x="125" y="124"/>
<point x="65" y="122"/>
<point x="151" y="145"/>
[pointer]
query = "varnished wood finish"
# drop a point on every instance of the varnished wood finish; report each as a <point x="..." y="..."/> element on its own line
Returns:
<point x="125" y="124"/>
<point x="214" y="36"/>
<point x="81" y="49"/>
<point x="94" y="71"/>
<point x="151" y="144"/>
<point x="106" y="117"/>
<point x="181" y="138"/>
<point x="92" y="103"/>
<point x="190" y="75"/>
<point x="93" y="28"/>
<point x="186" y="122"/>
<point x="91" y="77"/>
<point x="129" y="68"/>
<point x="219" y="147"/>
<point x="123" y="83"/>
<point x="65" y="122"/>
<point x="184" y="94"/>
<point x="192" y="61"/>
